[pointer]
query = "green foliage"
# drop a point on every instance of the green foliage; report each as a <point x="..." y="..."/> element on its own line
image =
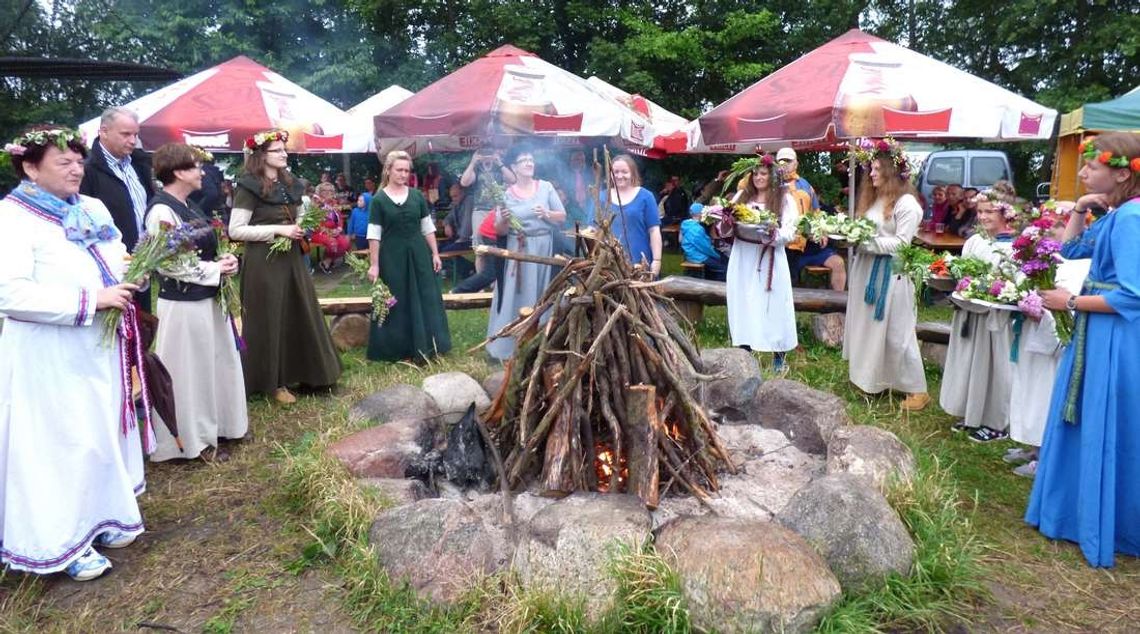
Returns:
<point x="649" y="596"/>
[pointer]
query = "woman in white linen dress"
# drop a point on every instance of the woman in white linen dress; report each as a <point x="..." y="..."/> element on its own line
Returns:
<point x="761" y="312"/>
<point x="880" y="342"/>
<point x="71" y="459"/>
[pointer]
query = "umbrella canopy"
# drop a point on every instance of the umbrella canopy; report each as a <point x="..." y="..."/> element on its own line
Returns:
<point x="1122" y="113"/>
<point x="221" y="106"/>
<point x="859" y="85"/>
<point x="363" y="112"/>
<point x="509" y="93"/>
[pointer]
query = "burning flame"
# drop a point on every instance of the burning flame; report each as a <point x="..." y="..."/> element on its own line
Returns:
<point x="604" y="468"/>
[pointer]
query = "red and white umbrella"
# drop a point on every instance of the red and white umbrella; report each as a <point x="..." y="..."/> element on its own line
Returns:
<point x="221" y="106"/>
<point x="858" y="85"/>
<point x="510" y="93"/>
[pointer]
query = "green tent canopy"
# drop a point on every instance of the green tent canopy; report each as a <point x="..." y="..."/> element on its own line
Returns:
<point x="1122" y="113"/>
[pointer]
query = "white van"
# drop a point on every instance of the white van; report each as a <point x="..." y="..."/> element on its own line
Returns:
<point x="979" y="169"/>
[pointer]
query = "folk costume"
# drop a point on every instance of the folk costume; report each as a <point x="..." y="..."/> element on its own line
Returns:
<point x="881" y="346"/>
<point x="197" y="342"/>
<point x="416" y="327"/>
<point x="978" y="376"/>
<point x="287" y="341"/>
<point x="1085" y="489"/>
<point x="523" y="282"/>
<point x="1035" y="356"/>
<point x="761" y="312"/>
<point x="71" y="447"/>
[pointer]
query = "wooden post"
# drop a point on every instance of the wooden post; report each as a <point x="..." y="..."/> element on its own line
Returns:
<point x="558" y="464"/>
<point x="641" y="430"/>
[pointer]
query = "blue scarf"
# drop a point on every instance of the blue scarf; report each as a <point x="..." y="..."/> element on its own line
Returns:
<point x="83" y="225"/>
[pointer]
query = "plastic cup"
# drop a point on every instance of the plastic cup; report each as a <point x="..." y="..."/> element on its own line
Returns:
<point x="940" y="228"/>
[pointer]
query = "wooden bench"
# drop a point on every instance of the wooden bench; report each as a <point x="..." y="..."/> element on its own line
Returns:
<point x="816" y="272"/>
<point x="693" y="269"/>
<point x="444" y="256"/>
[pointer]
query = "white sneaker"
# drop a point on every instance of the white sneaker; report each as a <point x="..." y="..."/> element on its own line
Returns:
<point x="114" y="539"/>
<point x="90" y="565"/>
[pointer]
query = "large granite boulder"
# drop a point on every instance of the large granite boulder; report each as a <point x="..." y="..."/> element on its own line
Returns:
<point x="439" y="546"/>
<point x="566" y="546"/>
<point x="387" y="451"/>
<point x="827" y="328"/>
<point x="740" y="377"/>
<point x="494" y="382"/>
<point x="853" y="527"/>
<point x="349" y="331"/>
<point x="807" y="416"/>
<point x="454" y="392"/>
<point x="872" y="453"/>
<point x="747" y="576"/>
<point x="397" y="402"/>
<point x="397" y="491"/>
<point x="770" y="470"/>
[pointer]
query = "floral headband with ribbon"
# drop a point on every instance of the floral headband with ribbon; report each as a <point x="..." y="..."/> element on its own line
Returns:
<point x="261" y="138"/>
<point x="59" y="137"/>
<point x="865" y="150"/>
<point x="1089" y="152"/>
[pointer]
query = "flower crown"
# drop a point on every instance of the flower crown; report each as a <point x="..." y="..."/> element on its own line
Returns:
<point x="60" y="137"/>
<point x="201" y="154"/>
<point x="1089" y="152"/>
<point x="865" y="150"/>
<point x="748" y="165"/>
<point x="268" y="136"/>
<point x="1008" y="211"/>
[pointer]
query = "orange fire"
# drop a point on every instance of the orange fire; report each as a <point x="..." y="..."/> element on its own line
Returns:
<point x="604" y="467"/>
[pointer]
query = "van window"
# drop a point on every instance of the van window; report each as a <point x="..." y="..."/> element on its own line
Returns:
<point x="946" y="170"/>
<point x="987" y="170"/>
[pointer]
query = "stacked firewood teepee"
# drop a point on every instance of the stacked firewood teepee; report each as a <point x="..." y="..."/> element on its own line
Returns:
<point x="595" y="397"/>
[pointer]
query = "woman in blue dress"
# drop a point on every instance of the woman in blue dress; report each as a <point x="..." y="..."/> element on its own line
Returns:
<point x="1085" y="489"/>
<point x="635" y="221"/>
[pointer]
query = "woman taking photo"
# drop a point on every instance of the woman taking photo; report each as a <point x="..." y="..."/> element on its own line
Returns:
<point x="403" y="253"/>
<point x="537" y="213"/>
<point x="287" y="342"/>
<point x="195" y="340"/>
<point x="882" y="348"/>
<point x="71" y="461"/>
<point x="761" y="314"/>
<point x="635" y="221"/>
<point x="1085" y="489"/>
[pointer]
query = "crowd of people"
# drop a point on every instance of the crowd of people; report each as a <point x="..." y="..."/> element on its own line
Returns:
<point x="80" y="212"/>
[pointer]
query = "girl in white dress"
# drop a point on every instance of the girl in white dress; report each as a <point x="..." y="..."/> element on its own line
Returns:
<point x="761" y="313"/>
<point x="978" y="375"/>
<point x="879" y="340"/>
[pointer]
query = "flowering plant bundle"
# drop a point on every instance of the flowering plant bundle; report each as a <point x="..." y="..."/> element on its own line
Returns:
<point x="961" y="267"/>
<point x="1037" y="255"/>
<point x="993" y="287"/>
<point x="382" y="298"/>
<point x="228" y="296"/>
<point x="311" y="218"/>
<point x="818" y="226"/>
<point x="914" y="262"/>
<point x="167" y="248"/>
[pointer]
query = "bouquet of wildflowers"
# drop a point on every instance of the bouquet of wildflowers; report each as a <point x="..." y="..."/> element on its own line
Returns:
<point x="1037" y="255"/>
<point x="312" y="217"/>
<point x="228" y="296"/>
<point x="382" y="298"/>
<point x="914" y="262"/>
<point x="992" y="287"/>
<point x="167" y="248"/>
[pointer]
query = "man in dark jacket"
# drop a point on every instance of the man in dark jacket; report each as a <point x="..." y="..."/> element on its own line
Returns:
<point x="119" y="174"/>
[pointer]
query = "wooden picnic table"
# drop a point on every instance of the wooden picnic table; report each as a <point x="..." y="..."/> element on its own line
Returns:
<point x="940" y="241"/>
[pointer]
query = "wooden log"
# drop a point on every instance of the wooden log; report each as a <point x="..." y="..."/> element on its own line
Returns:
<point x="933" y="331"/>
<point x="558" y="260"/>
<point x="557" y="466"/>
<point x="641" y="443"/>
<point x="711" y="293"/>
<point x="362" y="305"/>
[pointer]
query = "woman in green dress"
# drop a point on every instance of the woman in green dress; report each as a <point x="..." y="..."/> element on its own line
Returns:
<point x="287" y="341"/>
<point x="416" y="327"/>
